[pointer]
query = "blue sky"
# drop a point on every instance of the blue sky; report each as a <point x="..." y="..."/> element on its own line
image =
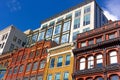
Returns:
<point x="27" y="14"/>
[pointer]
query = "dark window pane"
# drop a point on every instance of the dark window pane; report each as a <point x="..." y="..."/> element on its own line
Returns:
<point x="52" y="63"/>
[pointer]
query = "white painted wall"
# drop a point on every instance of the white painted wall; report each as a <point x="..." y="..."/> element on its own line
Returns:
<point x="12" y="31"/>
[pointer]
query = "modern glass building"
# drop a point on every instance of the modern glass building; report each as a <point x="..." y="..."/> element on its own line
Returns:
<point x="64" y="27"/>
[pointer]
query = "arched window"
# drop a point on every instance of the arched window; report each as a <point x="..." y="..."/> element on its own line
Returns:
<point x="113" y="57"/>
<point x="90" y="62"/>
<point x="114" y="77"/>
<point x="21" y="68"/>
<point x="99" y="60"/>
<point x="42" y="64"/>
<point x="99" y="78"/>
<point x="82" y="63"/>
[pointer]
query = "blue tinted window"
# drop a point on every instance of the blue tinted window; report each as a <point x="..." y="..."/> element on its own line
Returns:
<point x="52" y="62"/>
<point x="76" y="23"/>
<point x="57" y="29"/>
<point x="67" y="60"/>
<point x="59" y="63"/>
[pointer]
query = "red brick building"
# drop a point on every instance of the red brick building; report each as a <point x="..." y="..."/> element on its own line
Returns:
<point x="5" y="61"/>
<point x="97" y="56"/>
<point x="29" y="63"/>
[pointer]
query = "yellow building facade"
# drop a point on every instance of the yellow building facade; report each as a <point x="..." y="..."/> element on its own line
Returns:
<point x="59" y="64"/>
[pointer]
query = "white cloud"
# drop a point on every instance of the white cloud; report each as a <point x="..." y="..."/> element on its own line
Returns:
<point x="110" y="16"/>
<point x="112" y="9"/>
<point x="13" y="5"/>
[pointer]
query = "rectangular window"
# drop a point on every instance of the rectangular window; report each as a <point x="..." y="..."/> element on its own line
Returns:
<point x="83" y="44"/>
<point x="49" y="77"/>
<point x="24" y="56"/>
<point x="41" y="37"/>
<point x="31" y="55"/>
<point x="76" y="23"/>
<point x="57" y="29"/>
<point x="4" y="36"/>
<point x="44" y="51"/>
<point x="86" y="19"/>
<point x="52" y="63"/>
<point x="34" y="38"/>
<point x="78" y="13"/>
<point x="99" y="39"/>
<point x="57" y="40"/>
<point x="44" y="26"/>
<point x="37" y="52"/>
<point x="35" y="65"/>
<point x="67" y="60"/>
<point x="19" y="58"/>
<point x="14" y="38"/>
<point x="32" y="78"/>
<point x="2" y="45"/>
<point x="49" y="32"/>
<point x="11" y="47"/>
<point x="39" y="78"/>
<point x="42" y="64"/>
<point x="90" y="42"/>
<point x="19" y="41"/>
<point x="21" y="69"/>
<point x="65" y="38"/>
<point x="10" y="71"/>
<point x="87" y="9"/>
<point x="86" y="29"/>
<point x="66" y="26"/>
<point x="15" y="69"/>
<point x="52" y="23"/>
<point x="99" y="63"/>
<point x="111" y="36"/>
<point x="75" y="35"/>
<point x="69" y="16"/>
<point x="66" y="76"/>
<point x="57" y="76"/>
<point x="60" y="19"/>
<point x="28" y="67"/>
<point x="59" y="63"/>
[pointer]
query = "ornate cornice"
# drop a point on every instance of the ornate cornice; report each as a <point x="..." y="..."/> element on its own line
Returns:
<point x="108" y="27"/>
<point x="101" y="45"/>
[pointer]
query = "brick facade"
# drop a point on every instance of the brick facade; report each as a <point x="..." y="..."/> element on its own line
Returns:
<point x="98" y="59"/>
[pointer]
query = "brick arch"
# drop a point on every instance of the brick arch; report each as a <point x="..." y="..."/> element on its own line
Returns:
<point x="109" y="50"/>
<point x="114" y="75"/>
<point x="90" y="55"/>
<point x="98" y="53"/>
